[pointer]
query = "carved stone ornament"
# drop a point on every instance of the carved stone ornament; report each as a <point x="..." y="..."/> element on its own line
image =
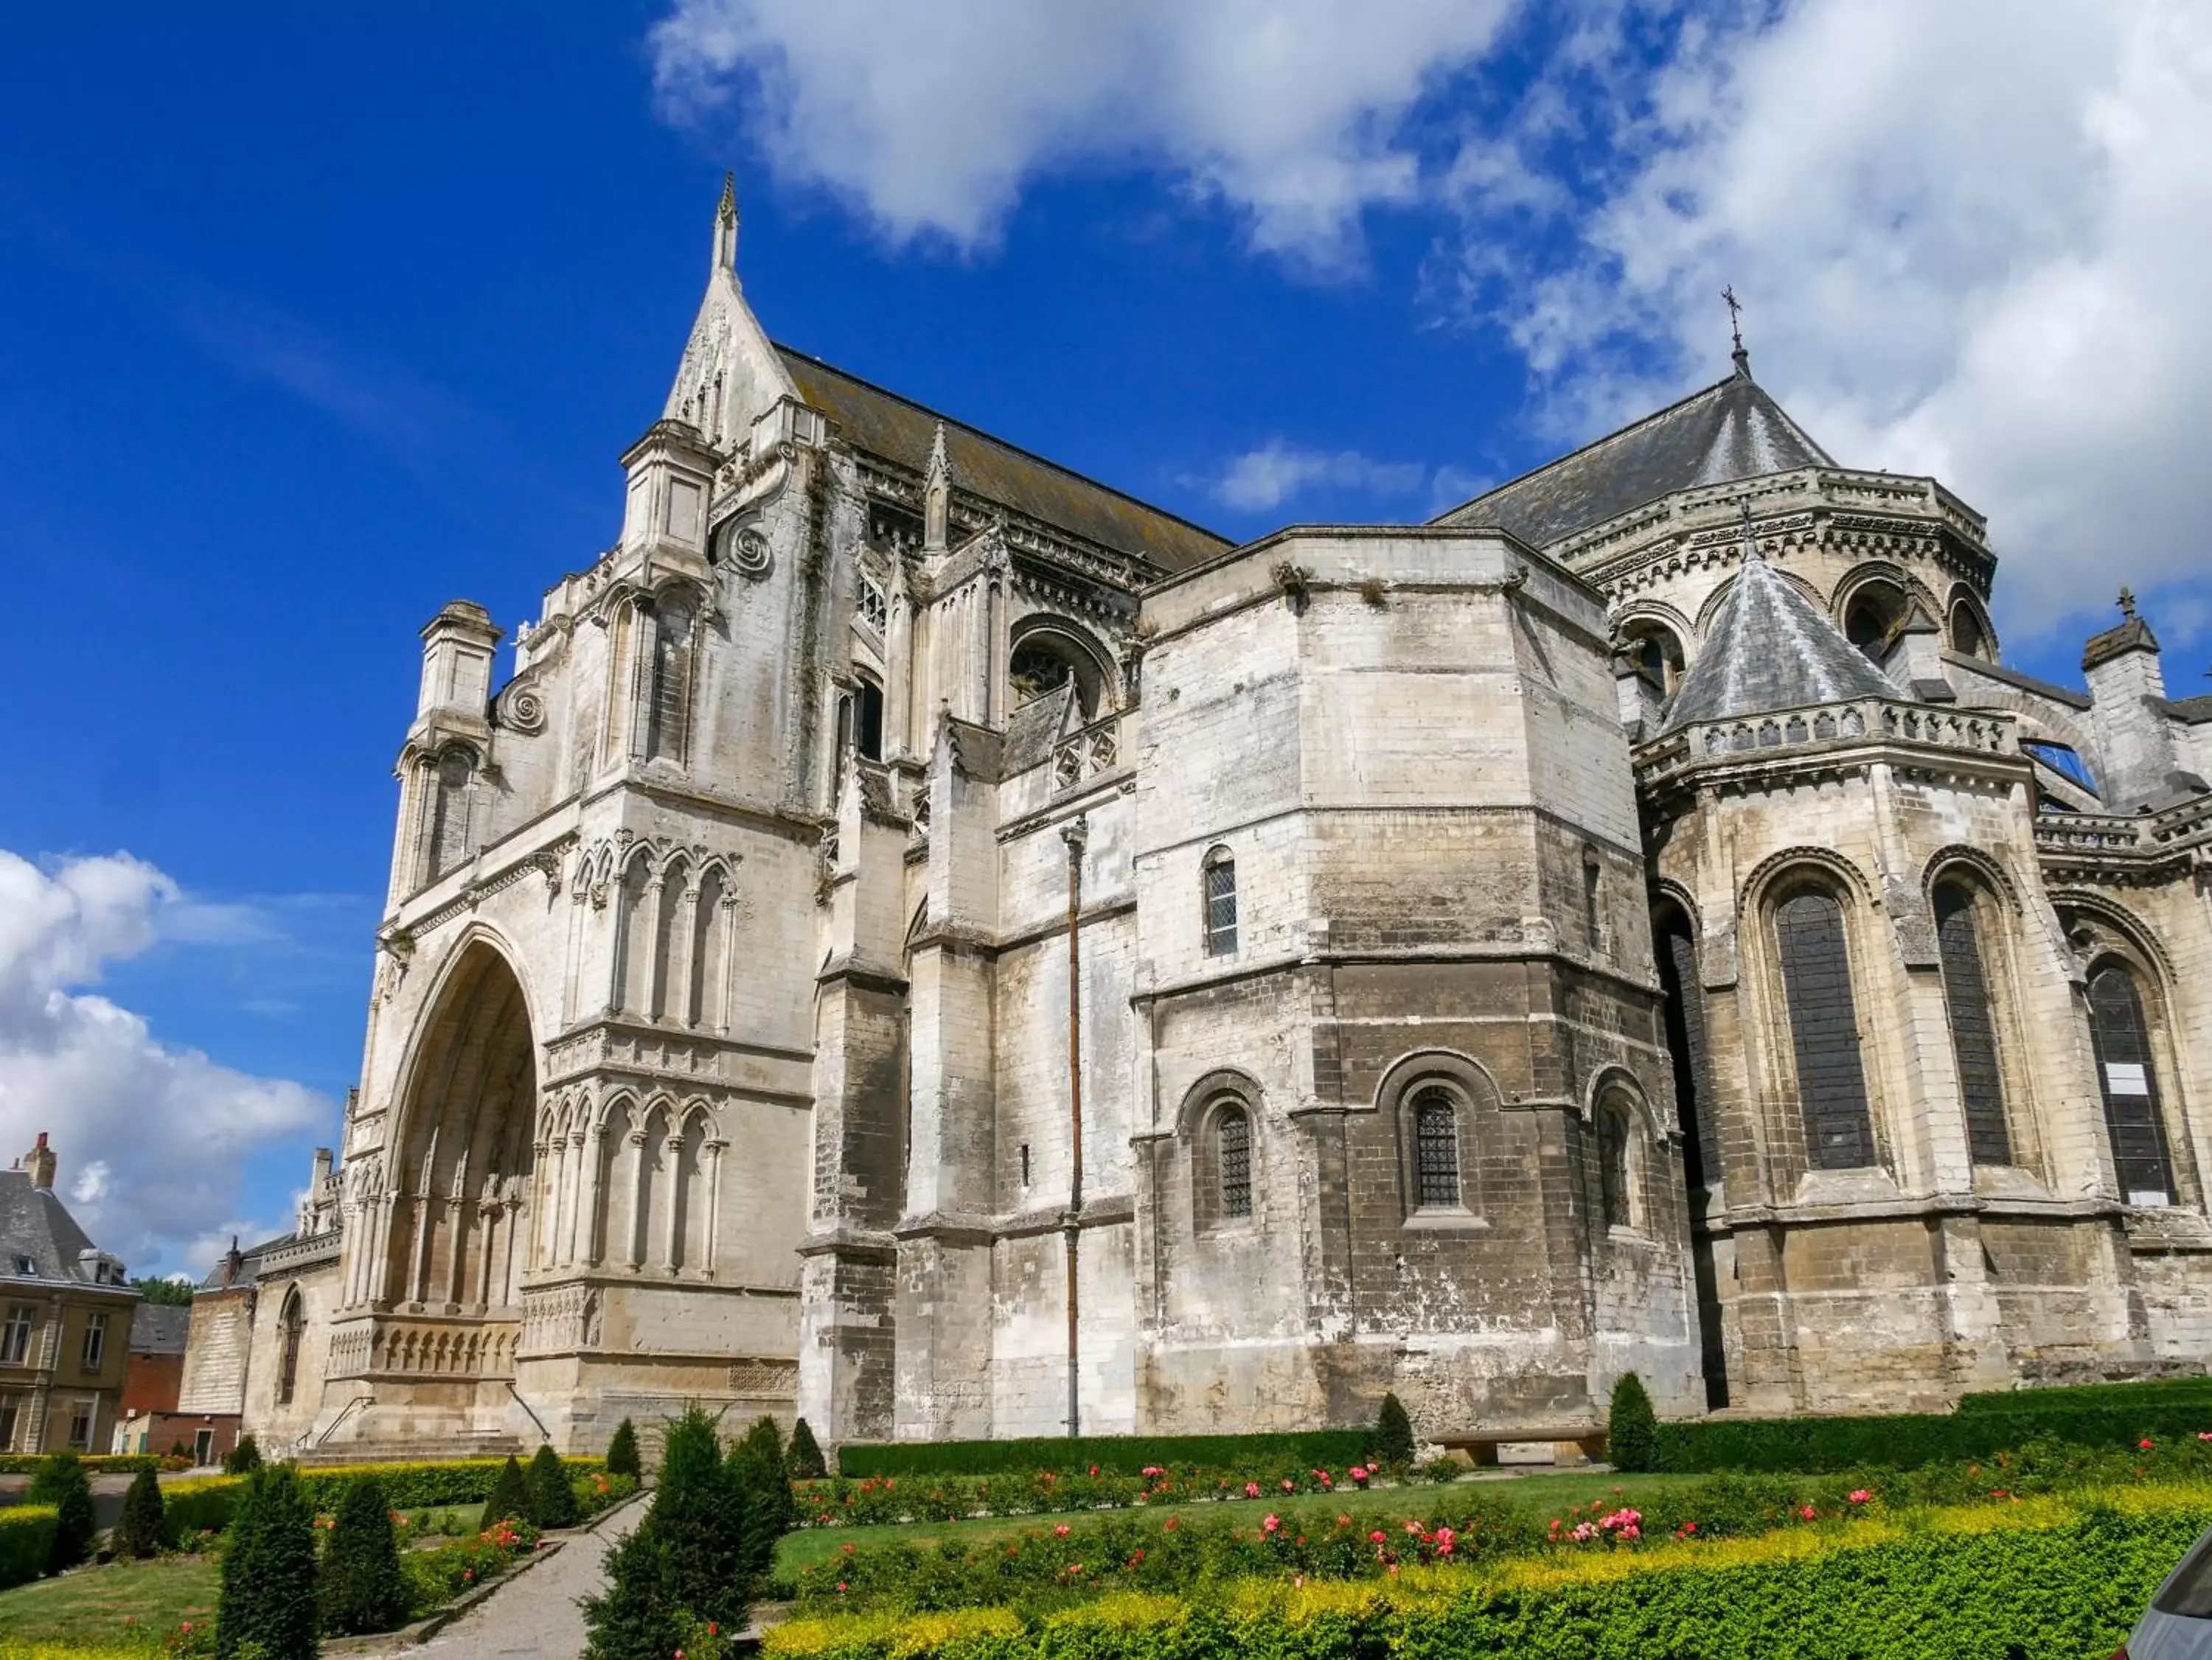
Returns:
<point x="522" y="708"/>
<point x="745" y="551"/>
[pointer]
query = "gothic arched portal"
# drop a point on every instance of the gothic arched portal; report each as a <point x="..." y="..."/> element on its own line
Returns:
<point x="466" y="1147"/>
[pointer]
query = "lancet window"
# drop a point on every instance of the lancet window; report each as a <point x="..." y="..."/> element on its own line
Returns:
<point x="1816" y="977"/>
<point x="2128" y="1074"/>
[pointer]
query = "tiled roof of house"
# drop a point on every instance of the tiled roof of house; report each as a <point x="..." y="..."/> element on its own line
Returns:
<point x="37" y="1229"/>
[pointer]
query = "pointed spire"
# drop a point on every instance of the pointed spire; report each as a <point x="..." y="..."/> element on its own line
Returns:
<point x="937" y="497"/>
<point x="1742" y="358"/>
<point x="725" y="225"/>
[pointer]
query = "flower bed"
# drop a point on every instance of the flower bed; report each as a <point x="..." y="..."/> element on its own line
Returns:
<point x="2047" y="1577"/>
<point x="436" y="1576"/>
<point x="1470" y="1526"/>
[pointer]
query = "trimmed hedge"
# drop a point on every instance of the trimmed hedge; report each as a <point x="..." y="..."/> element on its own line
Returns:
<point x="1908" y="1440"/>
<point x="209" y="1501"/>
<point x="2045" y="1579"/>
<point x="96" y="1464"/>
<point x="1118" y="1455"/>
<point x="26" y="1542"/>
<point x="2069" y="1397"/>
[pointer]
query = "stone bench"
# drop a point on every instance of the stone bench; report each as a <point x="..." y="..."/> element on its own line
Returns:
<point x="1571" y="1443"/>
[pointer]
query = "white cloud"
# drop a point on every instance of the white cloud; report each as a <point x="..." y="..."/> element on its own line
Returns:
<point x="151" y="1137"/>
<point x="1276" y="471"/>
<point x="930" y="118"/>
<point x="1972" y="238"/>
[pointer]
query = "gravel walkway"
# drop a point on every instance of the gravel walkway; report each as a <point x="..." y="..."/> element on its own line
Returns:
<point x="536" y="1614"/>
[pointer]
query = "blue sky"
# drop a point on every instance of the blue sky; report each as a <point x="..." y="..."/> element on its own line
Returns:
<point x="314" y="320"/>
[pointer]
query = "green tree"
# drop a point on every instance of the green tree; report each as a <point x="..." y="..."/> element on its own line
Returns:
<point x="1633" y="1427"/>
<point x="621" y="1452"/>
<point x="138" y="1530"/>
<point x="806" y="1454"/>
<point x="510" y="1495"/>
<point x="266" y="1609"/>
<point x="1394" y="1433"/>
<point x="552" y="1500"/>
<point x="363" y="1590"/>
<point x="756" y="1468"/>
<point x="61" y="1481"/>
<point x="244" y="1458"/>
<point x="685" y="1564"/>
<point x="637" y="1616"/>
<point x="171" y="1293"/>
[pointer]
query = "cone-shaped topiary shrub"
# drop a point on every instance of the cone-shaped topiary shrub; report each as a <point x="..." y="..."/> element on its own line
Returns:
<point x="756" y="1467"/>
<point x="1394" y="1433"/>
<point x="1631" y="1430"/>
<point x="362" y="1591"/>
<point x="510" y="1495"/>
<point x="637" y="1615"/>
<point x="244" y="1458"/>
<point x="804" y="1456"/>
<point x="267" y="1610"/>
<point x="61" y="1481"/>
<point x="621" y="1451"/>
<point x="685" y="1562"/>
<point x="552" y="1500"/>
<point x="138" y="1530"/>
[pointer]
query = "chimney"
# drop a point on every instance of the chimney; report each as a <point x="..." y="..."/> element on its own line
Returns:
<point x="42" y="1165"/>
<point x="232" y="1260"/>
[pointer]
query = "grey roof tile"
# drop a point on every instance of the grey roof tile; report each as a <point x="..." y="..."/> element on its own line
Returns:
<point x="1730" y="430"/>
<point x="1771" y="648"/>
<point x="36" y="1226"/>
<point x="160" y="1328"/>
<point x="900" y="430"/>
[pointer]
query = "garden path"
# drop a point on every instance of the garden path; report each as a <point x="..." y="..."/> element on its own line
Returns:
<point x="534" y="1616"/>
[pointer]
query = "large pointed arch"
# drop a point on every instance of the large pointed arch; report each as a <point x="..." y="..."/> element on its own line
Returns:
<point x="462" y="1141"/>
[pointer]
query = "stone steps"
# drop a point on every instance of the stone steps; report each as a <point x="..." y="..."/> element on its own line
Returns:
<point x="495" y="1444"/>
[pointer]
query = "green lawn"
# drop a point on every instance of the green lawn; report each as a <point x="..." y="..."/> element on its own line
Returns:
<point x="127" y="1603"/>
<point x="1545" y="1492"/>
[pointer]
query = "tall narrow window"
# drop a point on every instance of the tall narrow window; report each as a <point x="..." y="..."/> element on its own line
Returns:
<point x="1973" y="1030"/>
<point x="868" y="735"/>
<point x="449" y="812"/>
<point x="16" y="1336"/>
<point x="1592" y="900"/>
<point x="1616" y="1175"/>
<point x="95" y="1340"/>
<point x="1436" y="1149"/>
<point x="2121" y="1037"/>
<point x="1221" y="891"/>
<point x="1816" y="979"/>
<point x="287" y="1366"/>
<point x="1232" y="1135"/>
<point x="668" y="687"/>
<point x="1686" y="1040"/>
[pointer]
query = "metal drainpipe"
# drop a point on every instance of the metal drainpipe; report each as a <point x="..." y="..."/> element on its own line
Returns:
<point x="1075" y="834"/>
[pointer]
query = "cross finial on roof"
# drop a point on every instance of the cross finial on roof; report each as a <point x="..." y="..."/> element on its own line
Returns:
<point x="1735" y="330"/>
<point x="2127" y="601"/>
<point x="726" y="224"/>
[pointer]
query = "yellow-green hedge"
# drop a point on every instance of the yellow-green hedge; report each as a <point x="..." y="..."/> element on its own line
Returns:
<point x="207" y="1502"/>
<point x="2045" y="1578"/>
<point x="26" y="1542"/>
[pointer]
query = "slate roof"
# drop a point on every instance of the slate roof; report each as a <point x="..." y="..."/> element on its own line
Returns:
<point x="899" y="430"/>
<point x="2195" y="710"/>
<point x="1771" y="648"/>
<point x="36" y="1224"/>
<point x="1730" y="430"/>
<point x="160" y="1328"/>
<point x="249" y="1269"/>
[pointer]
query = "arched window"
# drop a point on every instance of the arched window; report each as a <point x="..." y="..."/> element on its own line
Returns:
<point x="1218" y="889"/>
<point x="1967" y="635"/>
<point x="293" y="1321"/>
<point x="1816" y="980"/>
<point x="868" y="726"/>
<point x="2121" y="1037"/>
<point x="1874" y="613"/>
<point x="668" y="679"/>
<point x="1973" y="1027"/>
<point x="1616" y="1136"/>
<point x="1656" y="653"/>
<point x="1436" y="1149"/>
<point x="449" y="812"/>
<point x="1044" y="662"/>
<point x="1232" y="1141"/>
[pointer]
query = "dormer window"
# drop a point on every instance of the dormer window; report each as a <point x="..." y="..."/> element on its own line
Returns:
<point x="27" y="1266"/>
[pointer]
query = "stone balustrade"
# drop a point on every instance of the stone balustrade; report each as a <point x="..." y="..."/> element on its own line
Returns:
<point x="1884" y="720"/>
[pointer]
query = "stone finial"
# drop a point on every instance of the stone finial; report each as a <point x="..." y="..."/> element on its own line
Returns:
<point x="2127" y="601"/>
<point x="725" y="225"/>
<point x="42" y="1162"/>
<point x="937" y="496"/>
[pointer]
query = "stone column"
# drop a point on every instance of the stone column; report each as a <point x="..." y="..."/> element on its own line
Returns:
<point x="672" y="1150"/>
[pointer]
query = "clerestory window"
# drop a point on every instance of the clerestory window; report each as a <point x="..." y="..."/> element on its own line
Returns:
<point x="1218" y="885"/>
